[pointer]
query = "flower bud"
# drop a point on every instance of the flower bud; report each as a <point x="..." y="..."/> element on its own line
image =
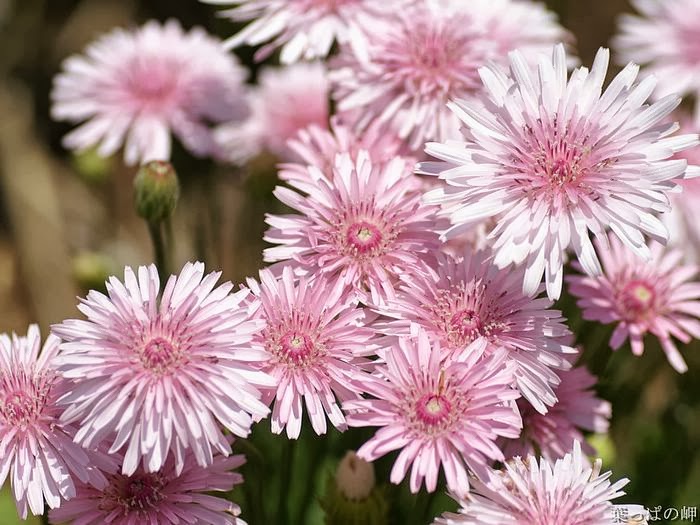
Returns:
<point x="352" y="497"/>
<point x="156" y="191"/>
<point x="354" y="477"/>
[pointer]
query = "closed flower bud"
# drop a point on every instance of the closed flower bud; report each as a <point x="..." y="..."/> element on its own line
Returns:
<point x="156" y="191"/>
<point x="354" y="477"/>
<point x="352" y="497"/>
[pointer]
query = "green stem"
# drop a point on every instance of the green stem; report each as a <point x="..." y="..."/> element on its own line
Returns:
<point x="426" y="515"/>
<point x="318" y="451"/>
<point x="285" y="480"/>
<point x="159" y="250"/>
<point x="45" y="518"/>
<point x="253" y="488"/>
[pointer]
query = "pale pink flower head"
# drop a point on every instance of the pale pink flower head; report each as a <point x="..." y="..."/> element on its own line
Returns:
<point x="428" y="54"/>
<point x="361" y="223"/>
<point x="304" y="29"/>
<point x="313" y="337"/>
<point x="665" y="38"/>
<point x="541" y="492"/>
<point x="37" y="451"/>
<point x="552" y="435"/>
<point x="440" y="416"/>
<point x="158" y="375"/>
<point x="468" y="302"/>
<point x="135" y="87"/>
<point x="285" y="101"/>
<point x="641" y="297"/>
<point x="164" y="497"/>
<point x="554" y="159"/>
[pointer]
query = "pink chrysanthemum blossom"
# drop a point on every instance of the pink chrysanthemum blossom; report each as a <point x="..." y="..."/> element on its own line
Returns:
<point x="158" y="375"/>
<point x="286" y="101"/>
<point x="552" y="435"/>
<point x="530" y="492"/>
<point x="37" y="451"/>
<point x="428" y="54"/>
<point x="313" y="337"/>
<point x="665" y="38"/>
<point x="438" y="415"/>
<point x="469" y="301"/>
<point x="136" y="87"/>
<point x="166" y="496"/>
<point x="361" y="223"/>
<point x="304" y="29"/>
<point x="554" y="159"/>
<point x="642" y="297"/>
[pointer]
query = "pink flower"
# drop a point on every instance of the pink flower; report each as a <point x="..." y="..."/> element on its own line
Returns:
<point x="157" y="375"/>
<point x="438" y="416"/>
<point x="533" y="492"/>
<point x="553" y="434"/>
<point x="642" y="297"/>
<point x="665" y="38"/>
<point x="553" y="160"/>
<point x="360" y="223"/>
<point x="36" y="449"/>
<point x="428" y="54"/>
<point x="169" y="495"/>
<point x="135" y="87"/>
<point x="305" y="29"/>
<point x="313" y="336"/>
<point x="468" y="302"/>
<point x="286" y="101"/>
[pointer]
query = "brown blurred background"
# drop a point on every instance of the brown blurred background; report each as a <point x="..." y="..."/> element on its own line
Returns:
<point x="66" y="222"/>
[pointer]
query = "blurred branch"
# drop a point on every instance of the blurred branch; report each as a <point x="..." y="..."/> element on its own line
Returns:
<point x="26" y="175"/>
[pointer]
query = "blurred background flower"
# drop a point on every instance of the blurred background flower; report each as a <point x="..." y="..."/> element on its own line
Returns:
<point x="67" y="221"/>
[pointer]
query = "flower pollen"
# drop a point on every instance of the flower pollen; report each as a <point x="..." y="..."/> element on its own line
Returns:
<point x="161" y="356"/>
<point x="141" y="491"/>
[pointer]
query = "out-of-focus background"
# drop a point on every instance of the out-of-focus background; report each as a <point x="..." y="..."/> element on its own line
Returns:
<point x="66" y="222"/>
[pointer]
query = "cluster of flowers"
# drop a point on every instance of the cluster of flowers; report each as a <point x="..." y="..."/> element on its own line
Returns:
<point x="422" y="306"/>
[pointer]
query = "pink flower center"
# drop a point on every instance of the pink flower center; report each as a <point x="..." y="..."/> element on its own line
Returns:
<point x="24" y="397"/>
<point x="364" y="237"/>
<point x="466" y="322"/>
<point x="637" y="298"/>
<point x="296" y="346"/>
<point x="555" y="162"/>
<point x="433" y="56"/>
<point x="18" y="407"/>
<point x="689" y="41"/>
<point x="160" y="356"/>
<point x="463" y="313"/>
<point x="152" y="83"/>
<point x="433" y="409"/>
<point x="139" y="492"/>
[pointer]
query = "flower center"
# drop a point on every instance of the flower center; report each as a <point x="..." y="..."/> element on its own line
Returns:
<point x="467" y="323"/>
<point x="689" y="42"/>
<point x="364" y="237"/>
<point x="24" y="396"/>
<point x="637" y="297"/>
<point x="18" y="407"/>
<point x="152" y="82"/>
<point x="435" y="57"/>
<point x="138" y="492"/>
<point x="296" y="346"/>
<point x="433" y="409"/>
<point x="159" y="355"/>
